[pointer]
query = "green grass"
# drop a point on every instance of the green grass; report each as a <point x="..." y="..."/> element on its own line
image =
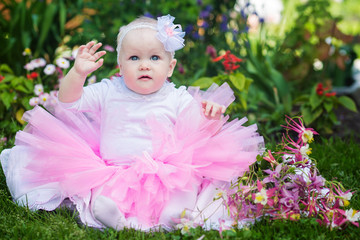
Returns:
<point x="337" y="159"/>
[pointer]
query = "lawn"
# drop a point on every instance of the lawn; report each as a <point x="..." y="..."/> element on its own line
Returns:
<point x="336" y="158"/>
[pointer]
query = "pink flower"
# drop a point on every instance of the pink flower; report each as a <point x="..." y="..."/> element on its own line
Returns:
<point x="34" y="101"/>
<point x="305" y="134"/>
<point x="109" y="48"/>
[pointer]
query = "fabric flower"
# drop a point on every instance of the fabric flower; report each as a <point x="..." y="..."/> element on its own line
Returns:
<point x="49" y="69"/>
<point x="169" y="34"/>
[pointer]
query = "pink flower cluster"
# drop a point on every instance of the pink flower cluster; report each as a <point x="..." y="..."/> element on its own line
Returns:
<point x="291" y="188"/>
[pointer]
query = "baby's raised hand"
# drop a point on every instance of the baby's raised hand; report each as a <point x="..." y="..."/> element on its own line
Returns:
<point x="213" y="110"/>
<point x="87" y="59"/>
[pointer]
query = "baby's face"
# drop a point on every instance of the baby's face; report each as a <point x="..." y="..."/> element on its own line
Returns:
<point x="144" y="63"/>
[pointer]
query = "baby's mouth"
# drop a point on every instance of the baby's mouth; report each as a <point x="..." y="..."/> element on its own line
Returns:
<point x="145" y="77"/>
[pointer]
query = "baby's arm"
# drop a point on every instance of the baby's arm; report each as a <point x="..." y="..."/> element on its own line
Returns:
<point x="86" y="62"/>
<point x="213" y="110"/>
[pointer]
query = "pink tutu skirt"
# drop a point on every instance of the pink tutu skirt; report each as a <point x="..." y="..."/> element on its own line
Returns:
<point x="57" y="158"/>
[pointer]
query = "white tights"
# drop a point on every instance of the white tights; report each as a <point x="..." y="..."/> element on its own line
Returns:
<point x="106" y="212"/>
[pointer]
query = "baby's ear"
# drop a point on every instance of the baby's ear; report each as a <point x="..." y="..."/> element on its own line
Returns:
<point x="172" y="67"/>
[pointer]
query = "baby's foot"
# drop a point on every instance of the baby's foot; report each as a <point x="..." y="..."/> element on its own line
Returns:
<point x="106" y="212"/>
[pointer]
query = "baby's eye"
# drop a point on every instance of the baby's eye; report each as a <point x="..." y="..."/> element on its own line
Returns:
<point x="134" y="58"/>
<point x="155" y="57"/>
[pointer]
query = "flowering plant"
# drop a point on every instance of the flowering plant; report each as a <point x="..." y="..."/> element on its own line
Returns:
<point x="317" y="107"/>
<point x="237" y="81"/>
<point x="46" y="75"/>
<point x="286" y="184"/>
<point x="15" y="92"/>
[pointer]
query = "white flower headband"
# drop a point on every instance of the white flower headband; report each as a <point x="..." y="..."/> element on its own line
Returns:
<point x="168" y="33"/>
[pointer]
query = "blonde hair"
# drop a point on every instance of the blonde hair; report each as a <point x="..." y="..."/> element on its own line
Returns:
<point x="140" y="22"/>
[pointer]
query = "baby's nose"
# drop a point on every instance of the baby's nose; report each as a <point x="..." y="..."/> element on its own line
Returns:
<point x="144" y="65"/>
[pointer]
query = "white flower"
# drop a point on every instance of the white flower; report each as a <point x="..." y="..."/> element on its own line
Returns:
<point x="344" y="201"/>
<point x="62" y="63"/>
<point x="39" y="62"/>
<point x="269" y="10"/>
<point x="356" y="64"/>
<point x="29" y="66"/>
<point x="44" y="97"/>
<point x="185" y="225"/>
<point x="307" y="136"/>
<point x="49" y="69"/>
<point x="54" y="94"/>
<point x="34" y="101"/>
<point x="305" y="150"/>
<point x="66" y="54"/>
<point x="318" y="65"/>
<point x="75" y="52"/>
<point x="91" y="79"/>
<point x="253" y="22"/>
<point x="352" y="215"/>
<point x="261" y="197"/>
<point x="38" y="89"/>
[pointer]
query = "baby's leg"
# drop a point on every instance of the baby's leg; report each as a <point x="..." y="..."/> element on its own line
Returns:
<point x="106" y="212"/>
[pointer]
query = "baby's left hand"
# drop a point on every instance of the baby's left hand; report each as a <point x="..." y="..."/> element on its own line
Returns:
<point x="213" y="110"/>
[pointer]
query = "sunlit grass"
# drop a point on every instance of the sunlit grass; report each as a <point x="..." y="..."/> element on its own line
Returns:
<point x="337" y="159"/>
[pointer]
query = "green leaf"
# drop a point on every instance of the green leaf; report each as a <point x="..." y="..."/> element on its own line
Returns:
<point x="47" y="21"/>
<point x="310" y="116"/>
<point x="21" y="88"/>
<point x="248" y="83"/>
<point x="333" y="118"/>
<point x="29" y="85"/>
<point x="7" y="98"/>
<point x="348" y="103"/>
<point x="315" y="101"/>
<point x="238" y="81"/>
<point x="302" y="98"/>
<point x="4" y="68"/>
<point x="328" y="106"/>
<point x="203" y="82"/>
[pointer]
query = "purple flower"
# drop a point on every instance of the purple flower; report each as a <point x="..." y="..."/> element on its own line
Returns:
<point x="149" y="15"/>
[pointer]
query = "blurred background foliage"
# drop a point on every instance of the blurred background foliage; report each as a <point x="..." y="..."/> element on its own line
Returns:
<point x="287" y="48"/>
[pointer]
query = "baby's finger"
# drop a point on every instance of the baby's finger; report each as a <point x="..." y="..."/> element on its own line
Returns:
<point x="223" y="109"/>
<point x="99" y="63"/>
<point x="81" y="49"/>
<point x="99" y="54"/>
<point x="94" y="48"/>
<point x="89" y="45"/>
<point x="208" y="108"/>
<point x="215" y="110"/>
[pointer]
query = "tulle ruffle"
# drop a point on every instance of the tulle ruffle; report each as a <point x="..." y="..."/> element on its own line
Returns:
<point x="60" y="160"/>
